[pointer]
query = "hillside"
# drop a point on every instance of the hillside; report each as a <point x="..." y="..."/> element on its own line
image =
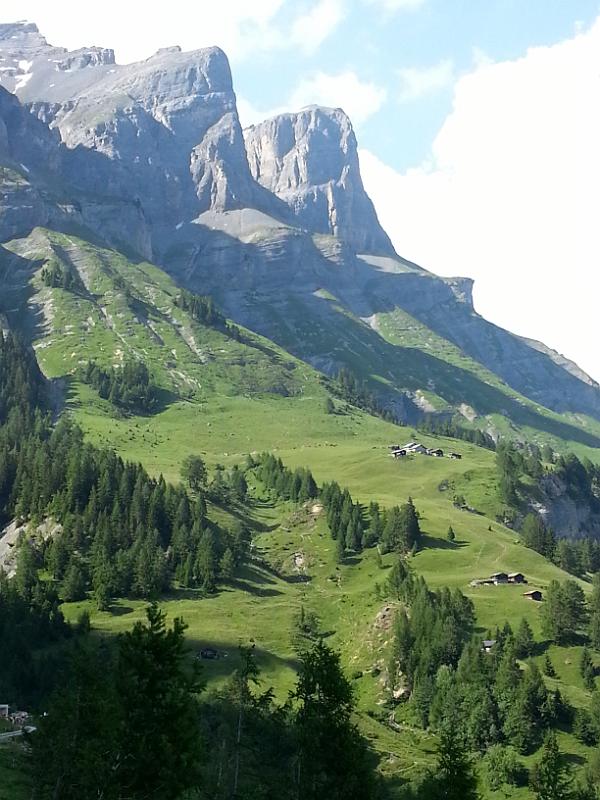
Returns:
<point x="223" y="398"/>
<point x="273" y="222"/>
<point x="190" y="289"/>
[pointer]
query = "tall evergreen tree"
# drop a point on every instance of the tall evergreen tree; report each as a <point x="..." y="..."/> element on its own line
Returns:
<point x="550" y="779"/>
<point x="455" y="771"/>
<point x="594" y="608"/>
<point x="333" y="759"/>
<point x="524" y="641"/>
<point x="161" y="748"/>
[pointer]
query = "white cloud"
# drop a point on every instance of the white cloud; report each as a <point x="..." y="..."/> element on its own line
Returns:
<point x="310" y="30"/>
<point x="392" y="6"/>
<point x="510" y="194"/>
<point x="416" y="82"/>
<point x="136" y="29"/>
<point x="359" y="99"/>
<point x="249" y="114"/>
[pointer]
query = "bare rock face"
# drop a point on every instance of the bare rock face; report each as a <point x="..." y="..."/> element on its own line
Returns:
<point x="168" y="124"/>
<point x="219" y="168"/>
<point x="310" y="161"/>
<point x="150" y="157"/>
<point x="44" y="183"/>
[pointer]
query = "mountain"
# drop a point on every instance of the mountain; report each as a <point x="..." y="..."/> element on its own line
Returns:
<point x="125" y="188"/>
<point x="274" y="222"/>
<point x="310" y="161"/>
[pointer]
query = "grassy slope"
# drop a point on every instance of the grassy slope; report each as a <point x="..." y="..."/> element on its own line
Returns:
<point x="14" y="780"/>
<point x="222" y="400"/>
<point x="260" y="605"/>
<point x="395" y="352"/>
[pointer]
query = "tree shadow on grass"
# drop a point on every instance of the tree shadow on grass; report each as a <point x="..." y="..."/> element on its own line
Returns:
<point x="254" y="580"/>
<point x="250" y="588"/>
<point x="244" y="517"/>
<point x="228" y="660"/>
<point x="575" y="760"/>
<point x="434" y="543"/>
<point x="118" y="610"/>
<point x="282" y="576"/>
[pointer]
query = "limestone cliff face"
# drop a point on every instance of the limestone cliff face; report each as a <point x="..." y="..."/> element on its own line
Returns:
<point x="168" y="124"/>
<point x="310" y="161"/>
<point x="150" y="157"/>
<point x="568" y="517"/>
<point x="44" y="183"/>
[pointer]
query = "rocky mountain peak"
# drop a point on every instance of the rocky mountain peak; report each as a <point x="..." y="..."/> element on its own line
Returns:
<point x="167" y="126"/>
<point x="309" y="160"/>
<point x="170" y="127"/>
<point x="24" y="32"/>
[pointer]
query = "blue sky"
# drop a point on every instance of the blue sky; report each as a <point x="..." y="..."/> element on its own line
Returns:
<point x="377" y="44"/>
<point x="478" y="124"/>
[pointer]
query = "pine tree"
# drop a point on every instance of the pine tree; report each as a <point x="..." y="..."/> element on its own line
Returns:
<point x="76" y="747"/>
<point x="524" y="641"/>
<point x="451" y="536"/>
<point x="26" y="577"/>
<point x="333" y="759"/>
<point x="193" y="472"/>
<point x="587" y="670"/>
<point x="594" y="608"/>
<point x="102" y="581"/>
<point x="455" y="772"/>
<point x="550" y="778"/>
<point x="564" y="612"/>
<point x="74" y="584"/>
<point x="206" y="562"/>
<point x="240" y="691"/>
<point x="549" y="667"/>
<point x="161" y="744"/>
<point x="524" y="717"/>
<point x="227" y="565"/>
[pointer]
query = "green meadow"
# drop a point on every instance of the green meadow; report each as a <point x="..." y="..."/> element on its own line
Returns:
<point x="222" y="399"/>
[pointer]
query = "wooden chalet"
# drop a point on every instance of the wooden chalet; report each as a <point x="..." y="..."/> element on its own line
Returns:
<point x="516" y="577"/>
<point x="534" y="594"/>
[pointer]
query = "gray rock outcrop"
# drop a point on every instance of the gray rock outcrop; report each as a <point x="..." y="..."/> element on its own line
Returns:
<point x="150" y="158"/>
<point x="310" y="161"/>
<point x="44" y="183"/>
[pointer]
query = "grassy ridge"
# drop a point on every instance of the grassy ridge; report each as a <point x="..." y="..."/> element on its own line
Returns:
<point x="223" y="399"/>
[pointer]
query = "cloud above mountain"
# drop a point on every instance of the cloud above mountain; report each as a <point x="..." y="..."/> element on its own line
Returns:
<point x="360" y="99"/>
<point x="509" y="193"/>
<point x="242" y="29"/>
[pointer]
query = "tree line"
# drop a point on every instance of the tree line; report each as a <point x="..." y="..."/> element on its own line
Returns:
<point x="487" y="704"/>
<point x="353" y="529"/>
<point x="346" y="386"/>
<point x="203" y="309"/>
<point x="453" y="429"/>
<point x="141" y="727"/>
<point x="117" y="531"/>
<point x="128" y="387"/>
<point x="58" y="275"/>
